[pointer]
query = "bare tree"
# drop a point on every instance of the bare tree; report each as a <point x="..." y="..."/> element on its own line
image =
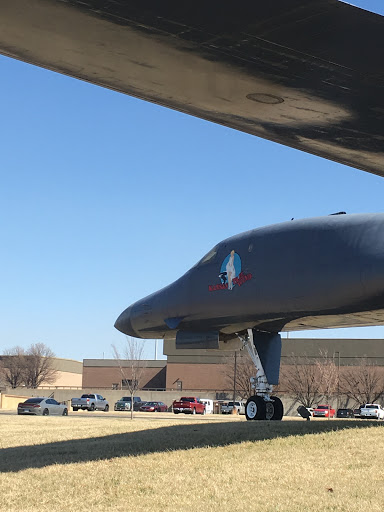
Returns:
<point x="39" y="368"/>
<point x="12" y="366"/>
<point x="302" y="379"/>
<point x="131" y="365"/>
<point x="329" y="376"/>
<point x="310" y="379"/>
<point x="238" y="372"/>
<point x="363" y="383"/>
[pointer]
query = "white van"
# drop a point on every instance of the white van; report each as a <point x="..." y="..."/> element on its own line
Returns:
<point x="208" y="405"/>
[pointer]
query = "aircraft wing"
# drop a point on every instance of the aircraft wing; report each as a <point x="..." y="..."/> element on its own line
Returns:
<point x="304" y="73"/>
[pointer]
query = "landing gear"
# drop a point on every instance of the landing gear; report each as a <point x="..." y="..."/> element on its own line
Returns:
<point x="265" y="352"/>
<point x="258" y="408"/>
<point x="275" y="409"/>
<point x="255" y="408"/>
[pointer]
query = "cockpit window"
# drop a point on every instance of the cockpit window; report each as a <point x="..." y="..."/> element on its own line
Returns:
<point x="208" y="257"/>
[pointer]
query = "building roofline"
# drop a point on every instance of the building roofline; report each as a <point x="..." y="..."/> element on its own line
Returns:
<point x="113" y="363"/>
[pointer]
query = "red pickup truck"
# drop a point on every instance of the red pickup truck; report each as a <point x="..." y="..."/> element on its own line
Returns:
<point x="188" y="405"/>
<point x="322" y="411"/>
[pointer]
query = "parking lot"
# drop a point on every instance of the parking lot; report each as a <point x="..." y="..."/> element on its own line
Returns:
<point x="150" y="416"/>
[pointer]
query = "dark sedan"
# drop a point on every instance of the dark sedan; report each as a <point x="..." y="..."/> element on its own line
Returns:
<point x="345" y="413"/>
<point x="154" y="407"/>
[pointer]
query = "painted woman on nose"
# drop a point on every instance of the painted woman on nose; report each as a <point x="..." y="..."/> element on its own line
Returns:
<point x="230" y="268"/>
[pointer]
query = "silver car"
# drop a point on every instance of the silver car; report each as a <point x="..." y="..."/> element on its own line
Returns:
<point x="42" y="406"/>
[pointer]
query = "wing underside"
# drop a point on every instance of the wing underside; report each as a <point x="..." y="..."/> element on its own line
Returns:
<point x="304" y="73"/>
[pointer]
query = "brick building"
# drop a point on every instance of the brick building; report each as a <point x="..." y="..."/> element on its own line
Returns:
<point x="208" y="370"/>
<point x="113" y="374"/>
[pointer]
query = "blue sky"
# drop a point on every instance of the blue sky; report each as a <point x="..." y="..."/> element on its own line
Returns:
<point x="105" y="199"/>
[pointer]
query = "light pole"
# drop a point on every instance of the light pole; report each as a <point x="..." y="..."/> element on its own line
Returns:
<point x="338" y="379"/>
<point x="234" y="380"/>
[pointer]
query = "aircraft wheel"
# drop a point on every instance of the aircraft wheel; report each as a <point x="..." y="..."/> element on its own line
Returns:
<point x="274" y="409"/>
<point x="255" y="408"/>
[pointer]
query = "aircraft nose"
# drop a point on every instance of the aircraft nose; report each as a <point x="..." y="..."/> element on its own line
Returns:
<point x="123" y="323"/>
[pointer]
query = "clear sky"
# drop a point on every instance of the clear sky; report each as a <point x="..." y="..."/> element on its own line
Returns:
<point x="105" y="198"/>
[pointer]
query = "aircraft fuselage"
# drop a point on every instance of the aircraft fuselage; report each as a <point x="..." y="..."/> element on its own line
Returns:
<point x="303" y="274"/>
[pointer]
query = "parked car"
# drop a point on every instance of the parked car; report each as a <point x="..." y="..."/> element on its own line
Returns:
<point x="208" y="405"/>
<point x="42" y="406"/>
<point x="227" y="407"/>
<point x="124" y="404"/>
<point x="345" y="413"/>
<point x="188" y="405"/>
<point x="90" y="402"/>
<point x="323" y="411"/>
<point x="154" y="407"/>
<point x="374" y="411"/>
<point x="356" y="412"/>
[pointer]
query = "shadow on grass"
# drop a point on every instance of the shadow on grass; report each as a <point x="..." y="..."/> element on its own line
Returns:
<point x="162" y="439"/>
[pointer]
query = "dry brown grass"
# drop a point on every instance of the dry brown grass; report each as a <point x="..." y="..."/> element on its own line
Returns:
<point x="98" y="462"/>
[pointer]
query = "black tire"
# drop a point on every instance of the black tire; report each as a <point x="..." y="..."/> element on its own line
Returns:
<point x="92" y="408"/>
<point x="176" y="412"/>
<point x="75" y="409"/>
<point x="45" y="412"/>
<point x="65" y="412"/>
<point x="274" y="409"/>
<point x="106" y="408"/>
<point x="255" y="408"/>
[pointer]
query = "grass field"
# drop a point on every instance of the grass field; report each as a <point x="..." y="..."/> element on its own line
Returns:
<point x="97" y="462"/>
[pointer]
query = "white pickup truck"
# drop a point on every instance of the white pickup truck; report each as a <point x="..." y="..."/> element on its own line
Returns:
<point x="90" y="402"/>
<point x="374" y="411"/>
<point x="227" y="407"/>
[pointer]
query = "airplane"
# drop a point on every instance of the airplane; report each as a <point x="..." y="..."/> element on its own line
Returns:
<point x="316" y="273"/>
<point x="303" y="73"/>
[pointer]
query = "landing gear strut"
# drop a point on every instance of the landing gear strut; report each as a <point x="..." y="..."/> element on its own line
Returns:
<point x="262" y="405"/>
